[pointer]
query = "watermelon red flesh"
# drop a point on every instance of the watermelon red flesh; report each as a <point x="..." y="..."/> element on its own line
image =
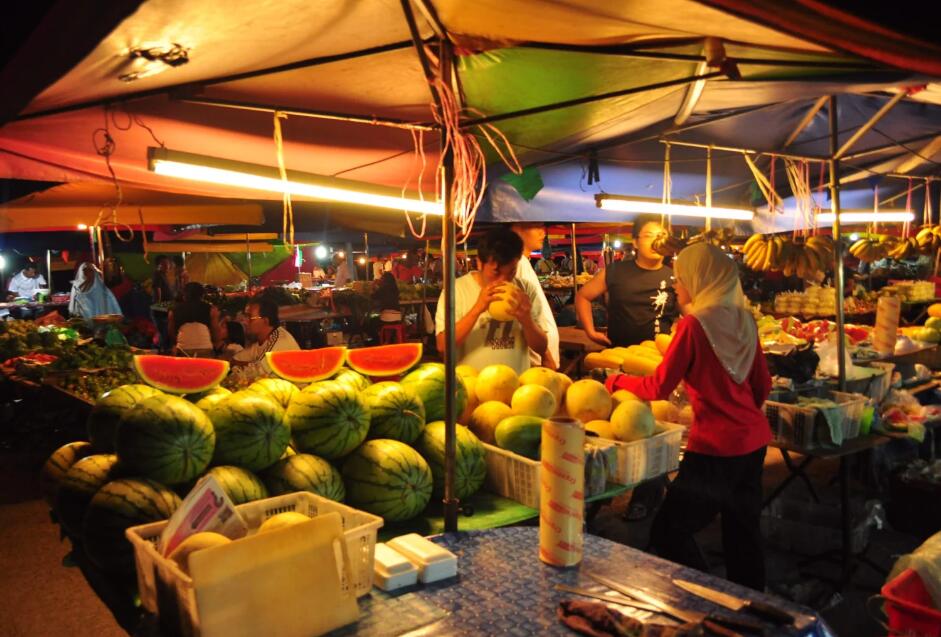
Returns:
<point x="328" y="419"/>
<point x="307" y="366"/>
<point x="167" y="439"/>
<point x="180" y="375"/>
<point x="385" y="360"/>
<point x="251" y="431"/>
<point x="388" y="478"/>
<point x="305" y="472"/>
<point x="118" y="505"/>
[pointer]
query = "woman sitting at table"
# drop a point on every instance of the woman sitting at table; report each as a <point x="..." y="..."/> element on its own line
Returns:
<point x="716" y="353"/>
<point x="90" y="296"/>
<point x="193" y="324"/>
<point x="385" y="304"/>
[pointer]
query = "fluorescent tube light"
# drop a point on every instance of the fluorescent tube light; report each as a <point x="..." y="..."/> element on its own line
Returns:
<point x="266" y="178"/>
<point x="640" y="205"/>
<point x="856" y="216"/>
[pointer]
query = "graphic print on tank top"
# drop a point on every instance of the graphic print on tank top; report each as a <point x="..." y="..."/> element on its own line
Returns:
<point x="641" y="302"/>
<point x="660" y="300"/>
<point x="505" y="341"/>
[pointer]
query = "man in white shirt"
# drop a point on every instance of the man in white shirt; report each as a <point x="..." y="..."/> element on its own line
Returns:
<point x="533" y="234"/>
<point x="263" y="334"/>
<point x="377" y="269"/>
<point x="481" y="339"/>
<point x="343" y="272"/>
<point x="25" y="283"/>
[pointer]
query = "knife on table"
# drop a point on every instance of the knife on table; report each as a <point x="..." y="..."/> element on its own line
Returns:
<point x="622" y="601"/>
<point x="718" y="624"/>
<point x="761" y="609"/>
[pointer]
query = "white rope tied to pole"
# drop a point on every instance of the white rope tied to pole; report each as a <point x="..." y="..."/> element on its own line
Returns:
<point x="287" y="220"/>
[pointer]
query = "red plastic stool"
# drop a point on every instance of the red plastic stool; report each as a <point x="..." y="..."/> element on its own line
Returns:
<point x="392" y="333"/>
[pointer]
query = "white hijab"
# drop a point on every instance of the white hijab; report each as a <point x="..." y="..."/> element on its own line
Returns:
<point x="719" y="305"/>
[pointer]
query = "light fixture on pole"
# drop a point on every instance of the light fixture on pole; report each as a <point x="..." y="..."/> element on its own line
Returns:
<point x="868" y="216"/>
<point x="227" y="172"/>
<point x="641" y="205"/>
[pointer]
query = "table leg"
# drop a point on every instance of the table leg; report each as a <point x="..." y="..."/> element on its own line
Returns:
<point x="796" y="472"/>
<point x="847" y="552"/>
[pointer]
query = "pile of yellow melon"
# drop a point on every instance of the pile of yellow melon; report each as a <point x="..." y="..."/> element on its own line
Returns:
<point x="637" y="359"/>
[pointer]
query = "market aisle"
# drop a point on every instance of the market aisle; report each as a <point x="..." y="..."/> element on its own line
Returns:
<point x="40" y="596"/>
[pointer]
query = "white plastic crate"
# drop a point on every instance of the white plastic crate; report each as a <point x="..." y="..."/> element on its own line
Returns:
<point x="164" y="588"/>
<point x="648" y="458"/>
<point x="517" y="478"/>
<point x="806" y="427"/>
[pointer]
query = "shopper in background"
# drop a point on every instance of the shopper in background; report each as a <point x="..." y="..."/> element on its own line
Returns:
<point x="533" y="235"/>
<point x="25" y="282"/>
<point x="90" y="296"/>
<point x="481" y="339"/>
<point x="377" y="269"/>
<point x="717" y="355"/>
<point x="407" y="270"/>
<point x="164" y="280"/>
<point x="344" y="275"/>
<point x="194" y="326"/>
<point x="263" y="334"/>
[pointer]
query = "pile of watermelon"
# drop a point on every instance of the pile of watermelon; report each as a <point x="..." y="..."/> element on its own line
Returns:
<point x="331" y="431"/>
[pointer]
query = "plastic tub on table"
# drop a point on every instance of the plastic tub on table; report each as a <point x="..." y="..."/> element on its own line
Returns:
<point x="909" y="607"/>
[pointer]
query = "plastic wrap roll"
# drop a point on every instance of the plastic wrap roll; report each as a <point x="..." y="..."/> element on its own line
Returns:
<point x="562" y="492"/>
<point x="887" y="324"/>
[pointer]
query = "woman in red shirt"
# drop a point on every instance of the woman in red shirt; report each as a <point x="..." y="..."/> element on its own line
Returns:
<point x="716" y="353"/>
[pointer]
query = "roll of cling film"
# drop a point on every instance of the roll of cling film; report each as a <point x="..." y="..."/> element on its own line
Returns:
<point x="562" y="492"/>
<point x="887" y="321"/>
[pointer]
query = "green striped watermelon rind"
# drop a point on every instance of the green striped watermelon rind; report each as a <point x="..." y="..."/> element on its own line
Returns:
<point x="79" y="484"/>
<point x="385" y="360"/>
<point x="166" y="439"/>
<point x="282" y="391"/>
<point x="470" y="466"/>
<point x="251" y="430"/>
<point x="180" y="375"/>
<point x="117" y="506"/>
<point x="388" y="478"/>
<point x="352" y="378"/>
<point x="58" y="464"/>
<point x="395" y="412"/>
<point x="328" y="419"/>
<point x="308" y="365"/>
<point x="305" y="472"/>
<point x="428" y="383"/>
<point x="241" y="485"/>
<point x="105" y="416"/>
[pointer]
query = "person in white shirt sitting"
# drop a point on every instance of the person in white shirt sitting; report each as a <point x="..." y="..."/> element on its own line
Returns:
<point x="25" y="283"/>
<point x="263" y="334"/>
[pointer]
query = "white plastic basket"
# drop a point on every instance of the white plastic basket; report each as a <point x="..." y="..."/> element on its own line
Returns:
<point x="806" y="427"/>
<point x="648" y="458"/>
<point x="517" y="478"/>
<point x="164" y="588"/>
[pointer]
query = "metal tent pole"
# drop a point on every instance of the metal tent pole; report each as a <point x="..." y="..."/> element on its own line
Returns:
<point x="366" y="244"/>
<point x="49" y="270"/>
<point x="574" y="265"/>
<point x="834" y="163"/>
<point x="248" y="254"/>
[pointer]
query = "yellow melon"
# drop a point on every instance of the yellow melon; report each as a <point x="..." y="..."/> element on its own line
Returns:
<point x="470" y="383"/>
<point x="685" y="416"/>
<point x="497" y="382"/>
<point x="601" y="427"/>
<point x="196" y="542"/>
<point x="545" y="377"/>
<point x="632" y="420"/>
<point x="621" y="395"/>
<point x="639" y="365"/>
<point x="282" y="520"/>
<point x="533" y="400"/>
<point x="664" y="410"/>
<point x="663" y="342"/>
<point x="934" y="310"/>
<point x="486" y="417"/>
<point x="465" y="371"/>
<point x="588" y="400"/>
<point x="507" y="300"/>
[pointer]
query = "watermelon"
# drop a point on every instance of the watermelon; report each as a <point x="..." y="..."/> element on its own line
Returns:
<point x="180" y="375"/>
<point x="251" y="430"/>
<point x="388" y="478"/>
<point x="307" y="365"/>
<point x="77" y="487"/>
<point x="281" y="390"/>
<point x="384" y="360"/>
<point x="58" y="465"/>
<point x="167" y="439"/>
<point x="354" y="379"/>
<point x="328" y="419"/>
<point x="239" y="484"/>
<point x="117" y="506"/>
<point x="305" y="472"/>
<point x="205" y="400"/>
<point x="428" y="383"/>
<point x="109" y="409"/>
<point x="395" y="412"/>
<point x="470" y="468"/>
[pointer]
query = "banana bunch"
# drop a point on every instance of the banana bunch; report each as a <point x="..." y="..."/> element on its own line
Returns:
<point x="668" y="244"/>
<point x="929" y="239"/>
<point x="871" y="249"/>
<point x="762" y="251"/>
<point x="719" y="238"/>
<point x="805" y="259"/>
<point x="822" y="247"/>
<point x="904" y="249"/>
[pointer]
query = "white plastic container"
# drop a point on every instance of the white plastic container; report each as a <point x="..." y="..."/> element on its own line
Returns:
<point x="432" y="561"/>
<point x="392" y="569"/>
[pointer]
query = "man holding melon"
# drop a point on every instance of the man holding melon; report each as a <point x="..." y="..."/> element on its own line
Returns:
<point x="496" y="313"/>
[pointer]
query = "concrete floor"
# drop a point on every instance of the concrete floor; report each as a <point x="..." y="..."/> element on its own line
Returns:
<point x="43" y="593"/>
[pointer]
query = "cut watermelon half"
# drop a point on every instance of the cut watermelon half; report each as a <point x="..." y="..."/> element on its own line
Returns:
<point x="180" y="375"/>
<point x="385" y="360"/>
<point x="307" y="365"/>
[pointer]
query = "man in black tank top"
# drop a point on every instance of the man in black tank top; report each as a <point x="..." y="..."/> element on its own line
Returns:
<point x="641" y="301"/>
